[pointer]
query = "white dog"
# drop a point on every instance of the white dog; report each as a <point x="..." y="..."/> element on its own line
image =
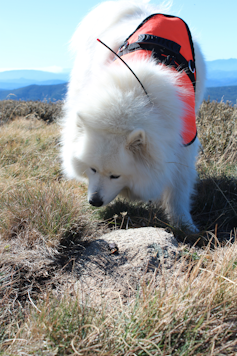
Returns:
<point x="128" y="137"/>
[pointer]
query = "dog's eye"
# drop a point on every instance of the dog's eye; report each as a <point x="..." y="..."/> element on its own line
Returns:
<point x="114" y="177"/>
<point x="93" y="170"/>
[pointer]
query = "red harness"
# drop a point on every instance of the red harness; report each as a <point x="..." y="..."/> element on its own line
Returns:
<point x="168" y="40"/>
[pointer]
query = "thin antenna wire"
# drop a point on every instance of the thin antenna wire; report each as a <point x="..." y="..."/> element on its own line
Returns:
<point x="125" y="65"/>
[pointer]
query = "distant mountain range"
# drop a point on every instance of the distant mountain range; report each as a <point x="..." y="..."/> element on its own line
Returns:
<point x="38" y="85"/>
<point x="228" y="93"/>
<point x="226" y="65"/>
<point x="221" y="72"/>
<point x="36" y="93"/>
<point x="58" y="92"/>
<point x="14" y="85"/>
<point x="38" y="75"/>
<point x="15" y="79"/>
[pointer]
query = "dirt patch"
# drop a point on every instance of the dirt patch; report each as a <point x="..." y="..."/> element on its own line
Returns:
<point x="121" y="262"/>
<point x="109" y="267"/>
<point x="27" y="271"/>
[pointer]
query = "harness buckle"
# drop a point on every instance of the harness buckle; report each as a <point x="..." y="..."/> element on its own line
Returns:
<point x="123" y="47"/>
<point x="191" y="66"/>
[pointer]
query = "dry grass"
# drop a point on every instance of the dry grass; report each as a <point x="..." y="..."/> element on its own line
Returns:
<point x="217" y="128"/>
<point x="215" y="206"/>
<point x="11" y="109"/>
<point x="195" y="314"/>
<point x="33" y="195"/>
<point x="45" y="222"/>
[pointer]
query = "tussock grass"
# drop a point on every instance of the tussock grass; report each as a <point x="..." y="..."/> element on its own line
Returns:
<point x="33" y="196"/>
<point x="29" y="149"/>
<point x="215" y="204"/>
<point x="11" y="109"/>
<point x="45" y="208"/>
<point x="217" y="129"/>
<point x="45" y="222"/>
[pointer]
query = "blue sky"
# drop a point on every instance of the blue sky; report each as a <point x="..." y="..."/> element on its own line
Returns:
<point x="35" y="34"/>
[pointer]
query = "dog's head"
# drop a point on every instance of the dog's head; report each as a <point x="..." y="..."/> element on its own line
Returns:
<point x="110" y="163"/>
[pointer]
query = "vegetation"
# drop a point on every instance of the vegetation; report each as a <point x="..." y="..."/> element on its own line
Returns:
<point x="45" y="222"/>
<point x="10" y="109"/>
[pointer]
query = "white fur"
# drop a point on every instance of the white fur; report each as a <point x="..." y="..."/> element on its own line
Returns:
<point x="110" y="127"/>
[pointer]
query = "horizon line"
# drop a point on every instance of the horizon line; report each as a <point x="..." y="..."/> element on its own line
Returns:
<point x="50" y="69"/>
<point x="61" y="70"/>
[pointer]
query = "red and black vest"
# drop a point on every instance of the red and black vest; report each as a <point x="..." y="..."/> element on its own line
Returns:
<point x="168" y="39"/>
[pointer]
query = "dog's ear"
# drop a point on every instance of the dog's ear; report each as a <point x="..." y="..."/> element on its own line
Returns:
<point x="136" y="142"/>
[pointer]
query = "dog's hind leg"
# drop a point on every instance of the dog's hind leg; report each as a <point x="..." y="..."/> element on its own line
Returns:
<point x="177" y="197"/>
<point x="177" y="207"/>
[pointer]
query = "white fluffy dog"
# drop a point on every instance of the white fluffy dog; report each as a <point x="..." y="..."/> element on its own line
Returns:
<point x="122" y="138"/>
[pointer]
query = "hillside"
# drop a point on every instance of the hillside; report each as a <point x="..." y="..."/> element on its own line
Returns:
<point x="16" y="85"/>
<point x="59" y="296"/>
<point x="36" y="93"/>
<point x="58" y="92"/>
<point x="228" y="93"/>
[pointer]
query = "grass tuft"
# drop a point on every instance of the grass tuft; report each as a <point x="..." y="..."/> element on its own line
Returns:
<point x="43" y="208"/>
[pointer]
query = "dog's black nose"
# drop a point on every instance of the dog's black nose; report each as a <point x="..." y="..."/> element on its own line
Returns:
<point x="96" y="200"/>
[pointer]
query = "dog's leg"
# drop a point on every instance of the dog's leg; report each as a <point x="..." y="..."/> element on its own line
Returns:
<point x="177" y="198"/>
<point x="177" y="206"/>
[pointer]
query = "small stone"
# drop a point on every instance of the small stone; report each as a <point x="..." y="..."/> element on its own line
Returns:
<point x="113" y="248"/>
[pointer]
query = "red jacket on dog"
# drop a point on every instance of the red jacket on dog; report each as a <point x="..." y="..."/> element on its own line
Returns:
<point x="168" y="39"/>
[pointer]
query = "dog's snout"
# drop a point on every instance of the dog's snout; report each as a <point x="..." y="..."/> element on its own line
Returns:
<point x="96" y="200"/>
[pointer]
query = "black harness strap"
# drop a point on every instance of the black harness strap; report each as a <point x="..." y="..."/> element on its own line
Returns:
<point x="164" y="51"/>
